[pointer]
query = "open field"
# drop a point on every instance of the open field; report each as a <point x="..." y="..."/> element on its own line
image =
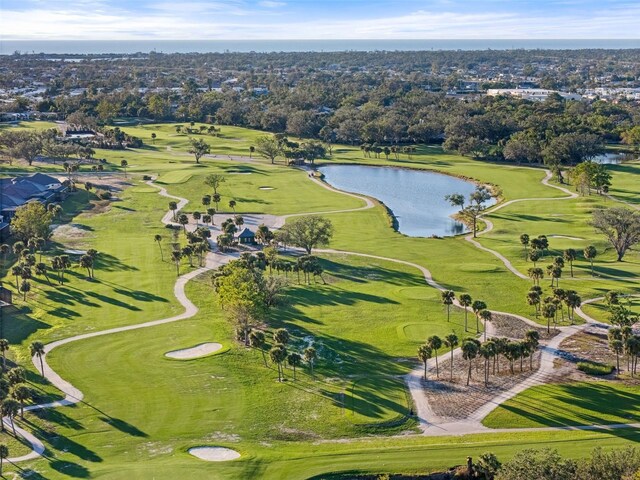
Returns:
<point x="142" y="411"/>
<point x="567" y="404"/>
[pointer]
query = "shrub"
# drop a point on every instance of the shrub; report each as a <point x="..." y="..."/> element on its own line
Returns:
<point x="104" y="194"/>
<point x="595" y="368"/>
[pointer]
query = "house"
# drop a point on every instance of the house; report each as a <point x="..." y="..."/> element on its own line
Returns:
<point x="38" y="187"/>
<point x="246" y="236"/>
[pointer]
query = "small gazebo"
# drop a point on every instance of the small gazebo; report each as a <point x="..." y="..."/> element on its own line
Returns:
<point x="246" y="236"/>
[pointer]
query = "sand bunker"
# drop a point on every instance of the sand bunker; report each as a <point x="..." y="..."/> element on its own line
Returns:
<point x="236" y="172"/>
<point x="266" y="188"/>
<point x="75" y="252"/>
<point x="564" y="236"/>
<point x="201" y="350"/>
<point x="214" y="454"/>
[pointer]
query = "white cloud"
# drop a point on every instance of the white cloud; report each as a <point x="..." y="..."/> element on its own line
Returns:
<point x="201" y="20"/>
<point x="271" y="4"/>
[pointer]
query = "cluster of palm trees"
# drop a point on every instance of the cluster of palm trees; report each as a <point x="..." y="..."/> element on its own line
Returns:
<point x="622" y="341"/>
<point x="551" y="306"/>
<point x="197" y="247"/>
<point x="465" y="301"/>
<point x="489" y="350"/>
<point x="535" y="249"/>
<point x="14" y="389"/>
<point x="278" y="353"/>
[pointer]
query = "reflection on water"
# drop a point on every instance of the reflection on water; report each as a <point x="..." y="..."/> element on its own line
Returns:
<point x="415" y="197"/>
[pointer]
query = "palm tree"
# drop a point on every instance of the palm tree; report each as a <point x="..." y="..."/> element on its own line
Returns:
<point x="18" y="247"/>
<point x="485" y="315"/>
<point x="310" y="356"/>
<point x="278" y="354"/>
<point x="41" y="269"/>
<point x="238" y="220"/>
<point x="435" y="343"/>
<point x="488" y="350"/>
<point x="294" y="359"/>
<point x="16" y="271"/>
<point x="251" y="150"/>
<point x="10" y="409"/>
<point x="124" y="164"/>
<point x="465" y="301"/>
<point x="153" y="138"/>
<point x="184" y="221"/>
<point x="37" y="349"/>
<point x="212" y="212"/>
<point x="477" y="306"/>
<point x="590" y="253"/>
<point x="232" y="205"/>
<point x="424" y="354"/>
<point x="451" y="341"/>
<point x="4" y="453"/>
<point x="534" y="256"/>
<point x="536" y="274"/>
<point x="216" y="199"/>
<point x="4" y="348"/>
<point x="447" y="299"/>
<point x="22" y="393"/>
<point x="173" y="206"/>
<point x="158" y="239"/>
<point x="469" y="352"/>
<point x="25" y="287"/>
<point x="524" y="240"/>
<point x="87" y="262"/>
<point x="16" y="375"/>
<point x="549" y="312"/>
<point x="281" y="336"/>
<point x="196" y="216"/>
<point x="615" y="344"/>
<point x="206" y="200"/>
<point x="257" y="340"/>
<point x="176" y="256"/>
<point x="570" y="255"/>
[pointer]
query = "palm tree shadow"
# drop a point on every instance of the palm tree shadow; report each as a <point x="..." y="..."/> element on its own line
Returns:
<point x="123" y="426"/>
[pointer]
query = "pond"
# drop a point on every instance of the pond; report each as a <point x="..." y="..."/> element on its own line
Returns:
<point x="415" y="197"/>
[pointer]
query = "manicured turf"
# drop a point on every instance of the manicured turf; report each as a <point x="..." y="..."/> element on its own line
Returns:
<point x="144" y="411"/>
<point x="559" y="405"/>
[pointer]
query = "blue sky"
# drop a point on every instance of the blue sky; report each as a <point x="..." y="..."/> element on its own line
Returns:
<point x="313" y="19"/>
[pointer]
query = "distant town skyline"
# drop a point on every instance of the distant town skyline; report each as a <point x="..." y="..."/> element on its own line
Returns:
<point x="310" y="19"/>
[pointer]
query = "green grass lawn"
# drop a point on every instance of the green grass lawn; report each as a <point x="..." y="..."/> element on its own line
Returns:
<point x="143" y="411"/>
<point x="566" y="404"/>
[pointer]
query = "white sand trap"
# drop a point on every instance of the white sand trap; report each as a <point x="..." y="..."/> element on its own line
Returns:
<point x="267" y="188"/>
<point x="564" y="236"/>
<point x="239" y="173"/>
<point x="75" y="252"/>
<point x="201" y="350"/>
<point x="214" y="454"/>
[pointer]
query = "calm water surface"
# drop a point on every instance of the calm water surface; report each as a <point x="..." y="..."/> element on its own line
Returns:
<point x="415" y="197"/>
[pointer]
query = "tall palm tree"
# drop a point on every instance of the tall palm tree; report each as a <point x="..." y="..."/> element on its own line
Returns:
<point x="212" y="212"/>
<point x="532" y="338"/>
<point x="278" y="354"/>
<point x="281" y="336"/>
<point x="173" y="206"/>
<point x="16" y="271"/>
<point x="524" y="240"/>
<point x="4" y="348"/>
<point x="158" y="239"/>
<point x="22" y="393"/>
<point x="124" y="164"/>
<point x="87" y="262"/>
<point x="310" y="356"/>
<point x="216" y="199"/>
<point x="535" y="273"/>
<point x="469" y="352"/>
<point x="435" y="343"/>
<point x="549" y="312"/>
<point x="424" y="354"/>
<point x="25" y="287"/>
<point x="206" y="200"/>
<point x="37" y="349"/>
<point x="451" y="341"/>
<point x="196" y="216"/>
<point x="4" y="453"/>
<point x="41" y="269"/>
<point x="10" y="409"/>
<point x="590" y="253"/>
<point x="257" y="340"/>
<point x="485" y="315"/>
<point x="488" y="350"/>
<point x="176" y="256"/>
<point x="232" y="205"/>
<point x="465" y="301"/>
<point x="184" y="221"/>
<point x="570" y="255"/>
<point x="294" y="359"/>
<point x="477" y="306"/>
<point x="447" y="299"/>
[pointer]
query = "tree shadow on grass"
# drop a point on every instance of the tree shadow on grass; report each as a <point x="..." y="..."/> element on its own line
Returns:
<point x="123" y="426"/>
<point x="70" y="469"/>
<point x="113" y="301"/>
<point x="55" y="415"/>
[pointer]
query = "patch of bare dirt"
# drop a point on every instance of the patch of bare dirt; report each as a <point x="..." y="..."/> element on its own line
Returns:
<point x="455" y="400"/>
<point x="512" y="327"/>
